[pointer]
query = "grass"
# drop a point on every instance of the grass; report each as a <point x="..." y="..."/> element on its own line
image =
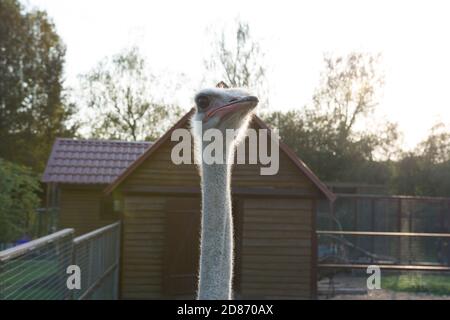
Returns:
<point x="30" y="279"/>
<point x="415" y="282"/>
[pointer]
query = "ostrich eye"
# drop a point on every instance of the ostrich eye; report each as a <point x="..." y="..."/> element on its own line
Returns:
<point x="202" y="102"/>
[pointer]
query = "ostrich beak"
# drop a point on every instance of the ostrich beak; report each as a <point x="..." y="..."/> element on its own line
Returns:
<point x="247" y="103"/>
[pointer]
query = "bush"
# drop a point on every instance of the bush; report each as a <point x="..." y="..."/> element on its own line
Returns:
<point x="417" y="283"/>
<point x="18" y="200"/>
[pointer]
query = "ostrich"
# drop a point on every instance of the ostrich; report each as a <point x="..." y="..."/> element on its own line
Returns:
<point x="220" y="109"/>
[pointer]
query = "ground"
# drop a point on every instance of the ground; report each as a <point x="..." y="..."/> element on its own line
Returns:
<point x="389" y="295"/>
<point x="410" y="286"/>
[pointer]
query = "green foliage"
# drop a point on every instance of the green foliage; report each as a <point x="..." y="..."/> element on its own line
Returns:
<point x="122" y="95"/>
<point x="334" y="137"/>
<point x="326" y="135"/>
<point x="416" y="282"/>
<point x="18" y="200"/>
<point x="436" y="147"/>
<point x="32" y="107"/>
<point x="426" y="171"/>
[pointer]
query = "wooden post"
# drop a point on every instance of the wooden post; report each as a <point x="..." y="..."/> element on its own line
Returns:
<point x="314" y="248"/>
<point x="399" y="229"/>
<point x="372" y="222"/>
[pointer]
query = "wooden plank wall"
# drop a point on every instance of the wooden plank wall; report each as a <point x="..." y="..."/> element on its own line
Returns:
<point x="277" y="233"/>
<point x="160" y="171"/>
<point x="143" y="246"/>
<point x="80" y="209"/>
<point x="275" y="254"/>
<point x="276" y="248"/>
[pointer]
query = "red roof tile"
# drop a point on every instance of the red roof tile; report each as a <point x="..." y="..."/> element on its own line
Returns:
<point x="90" y="161"/>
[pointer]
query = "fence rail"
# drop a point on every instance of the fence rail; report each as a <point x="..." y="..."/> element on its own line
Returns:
<point x="37" y="269"/>
<point x="411" y="263"/>
<point x="7" y="245"/>
<point x="361" y="212"/>
<point x="408" y="238"/>
<point x="383" y="267"/>
<point x="386" y="230"/>
<point x="392" y="250"/>
<point x="391" y="234"/>
<point x="97" y="254"/>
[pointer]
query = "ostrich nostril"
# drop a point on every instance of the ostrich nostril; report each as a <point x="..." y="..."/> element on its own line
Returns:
<point x="233" y="100"/>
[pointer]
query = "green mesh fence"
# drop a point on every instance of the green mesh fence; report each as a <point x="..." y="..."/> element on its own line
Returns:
<point x="37" y="270"/>
<point x="97" y="255"/>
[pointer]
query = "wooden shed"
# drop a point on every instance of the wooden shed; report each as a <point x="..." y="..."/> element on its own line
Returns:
<point x="274" y="226"/>
<point x="76" y="174"/>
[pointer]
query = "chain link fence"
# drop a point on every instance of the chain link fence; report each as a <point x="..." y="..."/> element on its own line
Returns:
<point x="408" y="238"/>
<point x="37" y="270"/>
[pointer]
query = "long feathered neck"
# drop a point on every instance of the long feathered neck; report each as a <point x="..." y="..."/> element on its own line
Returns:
<point x="216" y="257"/>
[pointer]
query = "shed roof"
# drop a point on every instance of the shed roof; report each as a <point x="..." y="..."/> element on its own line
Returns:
<point x="90" y="161"/>
<point x="183" y="121"/>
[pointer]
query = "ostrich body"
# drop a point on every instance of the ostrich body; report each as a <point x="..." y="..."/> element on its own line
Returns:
<point x="218" y="109"/>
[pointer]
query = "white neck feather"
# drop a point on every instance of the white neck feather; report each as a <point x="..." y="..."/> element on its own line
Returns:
<point x="216" y="258"/>
<point x="216" y="248"/>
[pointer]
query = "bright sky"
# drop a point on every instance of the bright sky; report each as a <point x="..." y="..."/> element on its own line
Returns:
<point x="413" y="37"/>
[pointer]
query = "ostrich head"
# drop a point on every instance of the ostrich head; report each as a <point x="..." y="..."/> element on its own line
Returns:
<point x="222" y="109"/>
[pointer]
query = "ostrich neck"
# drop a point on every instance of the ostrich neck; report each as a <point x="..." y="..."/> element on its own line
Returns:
<point x="216" y="260"/>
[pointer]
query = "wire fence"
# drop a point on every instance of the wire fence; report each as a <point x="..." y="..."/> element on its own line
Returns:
<point x="385" y="248"/>
<point x="359" y="212"/>
<point x="394" y="284"/>
<point x="37" y="270"/>
<point x="408" y="238"/>
<point x="97" y="255"/>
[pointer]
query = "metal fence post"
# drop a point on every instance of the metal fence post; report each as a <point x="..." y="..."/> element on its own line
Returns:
<point x="1" y="280"/>
<point x="73" y="261"/>
<point x="44" y="261"/>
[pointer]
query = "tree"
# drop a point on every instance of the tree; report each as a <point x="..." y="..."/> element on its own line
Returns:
<point x="426" y="170"/>
<point x="33" y="109"/>
<point x="326" y="135"/>
<point x="347" y="91"/>
<point x="122" y="95"/>
<point x="238" y="60"/>
<point x="19" y="200"/>
<point x="347" y="98"/>
<point x="409" y="175"/>
<point x="436" y="147"/>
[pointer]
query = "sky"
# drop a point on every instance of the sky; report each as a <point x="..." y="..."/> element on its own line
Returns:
<point x="412" y="36"/>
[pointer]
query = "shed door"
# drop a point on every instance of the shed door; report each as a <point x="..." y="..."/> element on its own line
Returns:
<point x="278" y="249"/>
<point x="183" y="247"/>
